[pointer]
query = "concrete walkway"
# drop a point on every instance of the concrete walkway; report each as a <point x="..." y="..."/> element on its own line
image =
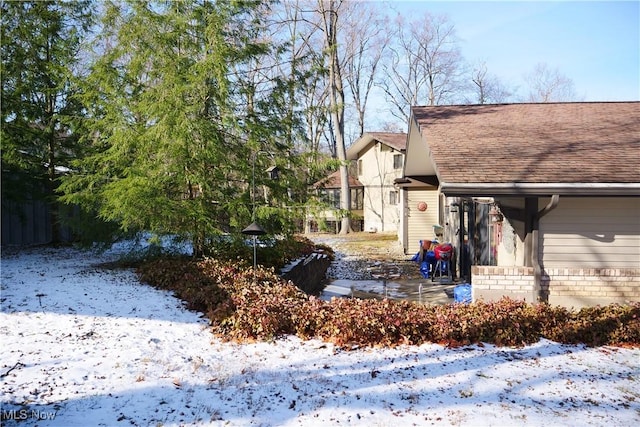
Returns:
<point x="361" y="262"/>
<point x="422" y="291"/>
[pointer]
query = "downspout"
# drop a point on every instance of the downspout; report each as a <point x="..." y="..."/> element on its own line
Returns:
<point x="535" y="258"/>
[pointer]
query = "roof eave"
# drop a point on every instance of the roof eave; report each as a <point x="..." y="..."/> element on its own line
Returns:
<point x="540" y="189"/>
<point x="353" y="151"/>
<point x="417" y="181"/>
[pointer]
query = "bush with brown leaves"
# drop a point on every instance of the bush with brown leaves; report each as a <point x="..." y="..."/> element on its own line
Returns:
<point x="244" y="304"/>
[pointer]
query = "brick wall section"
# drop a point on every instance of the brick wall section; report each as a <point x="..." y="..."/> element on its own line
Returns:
<point x="491" y="283"/>
<point x="564" y="286"/>
<point x="593" y="282"/>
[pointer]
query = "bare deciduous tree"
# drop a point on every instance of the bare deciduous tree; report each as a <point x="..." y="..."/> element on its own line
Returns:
<point x="549" y="85"/>
<point x="365" y="38"/>
<point x="303" y="62"/>
<point x="329" y="11"/>
<point x="424" y="65"/>
<point x="487" y="87"/>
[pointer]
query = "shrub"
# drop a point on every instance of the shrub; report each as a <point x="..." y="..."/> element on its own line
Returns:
<point x="198" y="288"/>
<point x="264" y="307"/>
<point x="271" y="253"/>
<point x="604" y="325"/>
<point x="243" y="304"/>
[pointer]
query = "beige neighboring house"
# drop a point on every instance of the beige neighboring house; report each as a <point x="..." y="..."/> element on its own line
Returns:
<point x="546" y="197"/>
<point x="379" y="157"/>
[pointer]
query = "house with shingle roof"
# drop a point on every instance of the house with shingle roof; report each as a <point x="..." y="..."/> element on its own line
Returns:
<point x="541" y="201"/>
<point x="377" y="160"/>
<point x="379" y="157"/>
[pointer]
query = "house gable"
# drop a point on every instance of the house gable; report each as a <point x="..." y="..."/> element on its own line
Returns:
<point x="419" y="161"/>
<point x="394" y="140"/>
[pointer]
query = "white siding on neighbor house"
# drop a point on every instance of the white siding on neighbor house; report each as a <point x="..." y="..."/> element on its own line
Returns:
<point x="377" y="176"/>
<point x="591" y="232"/>
<point x="420" y="224"/>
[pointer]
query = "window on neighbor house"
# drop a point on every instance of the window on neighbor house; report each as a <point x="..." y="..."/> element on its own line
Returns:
<point x="332" y="198"/>
<point x="357" y="199"/>
<point x="397" y="161"/>
<point x="393" y="197"/>
<point x="335" y="199"/>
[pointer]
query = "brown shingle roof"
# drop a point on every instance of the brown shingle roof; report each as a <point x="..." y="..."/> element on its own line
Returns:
<point x="334" y="181"/>
<point x="565" y="143"/>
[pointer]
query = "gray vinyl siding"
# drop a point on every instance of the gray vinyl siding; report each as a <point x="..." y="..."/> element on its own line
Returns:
<point x="592" y="232"/>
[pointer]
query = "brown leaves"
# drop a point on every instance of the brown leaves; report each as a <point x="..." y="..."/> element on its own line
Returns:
<point x="243" y="305"/>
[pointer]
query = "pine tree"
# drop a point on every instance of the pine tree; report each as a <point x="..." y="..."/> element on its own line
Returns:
<point x="174" y="127"/>
<point x="40" y="47"/>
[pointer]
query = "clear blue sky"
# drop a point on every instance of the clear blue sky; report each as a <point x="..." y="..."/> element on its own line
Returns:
<point x="594" y="43"/>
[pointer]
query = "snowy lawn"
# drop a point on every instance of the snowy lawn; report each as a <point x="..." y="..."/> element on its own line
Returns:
<point x="88" y="346"/>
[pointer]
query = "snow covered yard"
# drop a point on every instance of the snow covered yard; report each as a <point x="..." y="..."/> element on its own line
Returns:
<point x="88" y="346"/>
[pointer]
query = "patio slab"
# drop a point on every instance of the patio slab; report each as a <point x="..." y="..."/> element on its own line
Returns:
<point x="421" y="291"/>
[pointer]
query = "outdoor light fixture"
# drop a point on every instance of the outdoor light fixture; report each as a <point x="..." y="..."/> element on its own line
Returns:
<point x="254" y="229"/>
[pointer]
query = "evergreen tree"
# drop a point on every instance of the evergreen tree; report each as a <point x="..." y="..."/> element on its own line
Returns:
<point x="41" y="42"/>
<point x="175" y="129"/>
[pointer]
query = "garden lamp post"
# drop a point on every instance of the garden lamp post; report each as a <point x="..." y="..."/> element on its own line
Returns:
<point x="254" y="229"/>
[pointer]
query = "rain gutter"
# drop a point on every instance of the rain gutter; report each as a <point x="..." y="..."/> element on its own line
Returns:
<point x="535" y="257"/>
<point x="540" y="189"/>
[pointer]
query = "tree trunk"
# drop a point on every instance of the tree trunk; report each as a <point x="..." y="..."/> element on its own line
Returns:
<point x="54" y="210"/>
<point x="51" y="196"/>
<point x="330" y="19"/>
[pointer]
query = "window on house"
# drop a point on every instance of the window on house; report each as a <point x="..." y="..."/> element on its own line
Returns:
<point x="335" y="198"/>
<point x="393" y="197"/>
<point x="357" y="198"/>
<point x="397" y="161"/>
<point x="359" y="167"/>
<point x="331" y="197"/>
<point x="323" y="195"/>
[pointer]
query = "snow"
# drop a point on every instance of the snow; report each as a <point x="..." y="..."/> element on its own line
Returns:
<point x="85" y="345"/>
